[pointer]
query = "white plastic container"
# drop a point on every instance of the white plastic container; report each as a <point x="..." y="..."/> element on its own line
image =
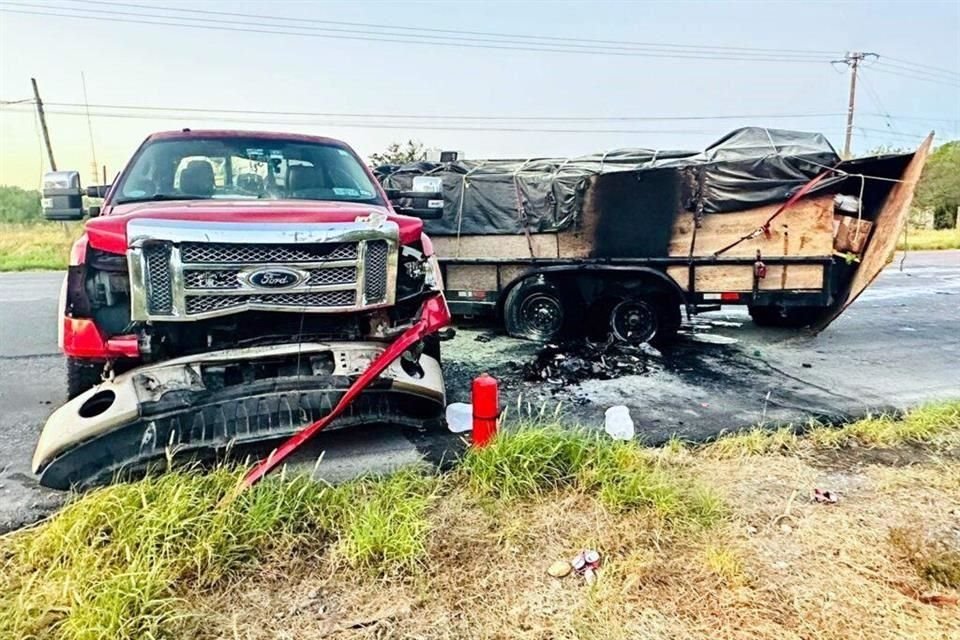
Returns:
<point x="459" y="417"/>
<point x="618" y="424"/>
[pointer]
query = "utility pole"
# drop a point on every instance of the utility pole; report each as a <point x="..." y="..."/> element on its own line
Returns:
<point x="852" y="60"/>
<point x="43" y="124"/>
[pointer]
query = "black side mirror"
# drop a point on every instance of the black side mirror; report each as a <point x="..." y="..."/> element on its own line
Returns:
<point x="62" y="198"/>
<point x="98" y="191"/>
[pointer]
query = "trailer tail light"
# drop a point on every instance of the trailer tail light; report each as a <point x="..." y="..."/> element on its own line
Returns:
<point x="730" y="296"/>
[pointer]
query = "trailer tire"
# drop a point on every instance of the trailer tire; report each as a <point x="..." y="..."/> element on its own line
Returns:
<point x="784" y="317"/>
<point x="534" y="310"/>
<point x="657" y="320"/>
<point x="82" y="375"/>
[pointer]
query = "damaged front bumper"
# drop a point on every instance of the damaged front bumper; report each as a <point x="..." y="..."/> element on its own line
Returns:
<point x="209" y="402"/>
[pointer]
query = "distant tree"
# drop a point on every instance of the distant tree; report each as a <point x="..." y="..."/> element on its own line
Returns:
<point x="19" y="205"/>
<point x="939" y="186"/>
<point x="398" y="153"/>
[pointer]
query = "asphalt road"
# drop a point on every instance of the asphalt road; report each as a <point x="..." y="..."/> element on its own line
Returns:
<point x="897" y="346"/>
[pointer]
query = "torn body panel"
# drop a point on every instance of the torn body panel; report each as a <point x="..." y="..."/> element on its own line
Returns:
<point x="208" y="402"/>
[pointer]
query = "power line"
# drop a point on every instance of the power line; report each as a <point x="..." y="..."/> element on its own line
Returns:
<point x="878" y="68"/>
<point x="902" y="134"/>
<point x="877" y="101"/>
<point x="420" y="30"/>
<point x="366" y="125"/>
<point x="920" y="73"/>
<point x="504" y="45"/>
<point x="481" y="118"/>
<point x="923" y="66"/>
<point x="448" y="117"/>
<point x="533" y="39"/>
<point x="414" y="126"/>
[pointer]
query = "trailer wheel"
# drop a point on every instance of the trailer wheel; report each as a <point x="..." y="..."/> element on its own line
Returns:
<point x="82" y="375"/>
<point x="784" y="317"/>
<point x="653" y="319"/>
<point x="534" y="310"/>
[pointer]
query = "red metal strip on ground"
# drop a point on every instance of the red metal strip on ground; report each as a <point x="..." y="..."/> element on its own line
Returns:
<point x="433" y="316"/>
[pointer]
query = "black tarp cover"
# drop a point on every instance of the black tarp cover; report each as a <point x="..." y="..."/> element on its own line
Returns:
<point x="749" y="167"/>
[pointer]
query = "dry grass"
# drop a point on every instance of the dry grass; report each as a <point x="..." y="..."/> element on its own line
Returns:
<point x="929" y="239"/>
<point x="25" y="247"/>
<point x="465" y="555"/>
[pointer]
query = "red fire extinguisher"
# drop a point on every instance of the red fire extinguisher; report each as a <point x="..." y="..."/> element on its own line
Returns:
<point x="486" y="409"/>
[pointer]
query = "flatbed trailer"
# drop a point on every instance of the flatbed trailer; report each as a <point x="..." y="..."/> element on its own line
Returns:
<point x="641" y="245"/>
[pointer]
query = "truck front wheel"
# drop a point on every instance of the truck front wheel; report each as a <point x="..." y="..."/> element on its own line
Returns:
<point x="82" y="375"/>
<point x="534" y="310"/>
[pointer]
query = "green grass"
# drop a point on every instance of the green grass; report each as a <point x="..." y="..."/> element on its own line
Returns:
<point x="625" y="476"/>
<point x="36" y="246"/>
<point x="122" y="562"/>
<point x="117" y="562"/>
<point x="929" y="239"/>
<point x="930" y="424"/>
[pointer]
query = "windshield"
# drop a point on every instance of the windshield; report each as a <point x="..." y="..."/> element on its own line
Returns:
<point x="245" y="168"/>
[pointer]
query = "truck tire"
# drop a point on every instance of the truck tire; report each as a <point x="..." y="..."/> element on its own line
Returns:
<point x="82" y="375"/>
<point x="534" y="310"/>
<point x="650" y="318"/>
<point x="784" y="317"/>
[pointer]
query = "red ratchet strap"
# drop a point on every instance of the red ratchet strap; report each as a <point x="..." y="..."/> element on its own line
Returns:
<point x="434" y="315"/>
<point x="765" y="229"/>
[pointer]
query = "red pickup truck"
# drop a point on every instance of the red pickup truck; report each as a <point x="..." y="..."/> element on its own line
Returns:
<point x="228" y="290"/>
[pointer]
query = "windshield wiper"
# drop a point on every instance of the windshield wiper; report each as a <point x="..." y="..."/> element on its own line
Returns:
<point x="162" y="197"/>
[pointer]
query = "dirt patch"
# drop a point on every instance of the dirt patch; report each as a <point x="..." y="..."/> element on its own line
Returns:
<point x="782" y="566"/>
<point x="853" y="457"/>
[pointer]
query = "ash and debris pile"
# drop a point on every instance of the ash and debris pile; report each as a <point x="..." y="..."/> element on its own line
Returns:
<point x="575" y="361"/>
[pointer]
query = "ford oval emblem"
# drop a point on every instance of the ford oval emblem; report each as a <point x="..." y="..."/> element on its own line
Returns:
<point x="275" y="278"/>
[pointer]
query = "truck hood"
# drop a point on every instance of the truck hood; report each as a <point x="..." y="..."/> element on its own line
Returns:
<point x="109" y="232"/>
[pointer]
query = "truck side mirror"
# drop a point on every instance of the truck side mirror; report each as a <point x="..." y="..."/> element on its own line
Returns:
<point x="98" y="191"/>
<point x="62" y="198"/>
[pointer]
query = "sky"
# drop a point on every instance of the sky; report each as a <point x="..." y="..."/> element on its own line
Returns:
<point x="481" y="94"/>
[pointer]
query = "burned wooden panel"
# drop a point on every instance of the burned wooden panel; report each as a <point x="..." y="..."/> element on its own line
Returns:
<point x="805" y="229"/>
<point x="720" y="278"/>
<point x="887" y="226"/>
<point x="637" y="213"/>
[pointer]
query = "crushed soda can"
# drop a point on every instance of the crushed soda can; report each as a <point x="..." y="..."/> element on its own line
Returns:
<point x="824" y="497"/>
<point x="586" y="564"/>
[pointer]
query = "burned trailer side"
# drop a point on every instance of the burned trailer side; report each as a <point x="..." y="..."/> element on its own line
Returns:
<point x="622" y="242"/>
